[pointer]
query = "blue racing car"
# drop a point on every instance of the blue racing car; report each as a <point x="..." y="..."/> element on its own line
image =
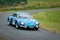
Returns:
<point x="22" y="19"/>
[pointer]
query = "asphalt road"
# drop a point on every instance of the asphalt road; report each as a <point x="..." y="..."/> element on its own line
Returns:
<point x="11" y="33"/>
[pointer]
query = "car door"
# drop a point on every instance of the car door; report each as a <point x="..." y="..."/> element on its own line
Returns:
<point x="14" y="18"/>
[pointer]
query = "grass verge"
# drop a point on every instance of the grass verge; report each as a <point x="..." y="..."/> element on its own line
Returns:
<point x="49" y="20"/>
<point x="31" y="6"/>
<point x="1" y="38"/>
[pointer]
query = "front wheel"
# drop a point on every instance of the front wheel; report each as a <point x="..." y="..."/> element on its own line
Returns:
<point x="16" y="25"/>
<point x="36" y="28"/>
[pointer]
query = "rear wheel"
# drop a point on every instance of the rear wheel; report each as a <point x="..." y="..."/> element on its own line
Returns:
<point x="9" y="22"/>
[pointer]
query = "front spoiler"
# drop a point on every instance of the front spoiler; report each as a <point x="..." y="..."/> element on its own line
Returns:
<point x="28" y="27"/>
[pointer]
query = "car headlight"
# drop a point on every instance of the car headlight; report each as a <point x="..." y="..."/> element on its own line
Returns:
<point x="22" y="23"/>
<point x="37" y="23"/>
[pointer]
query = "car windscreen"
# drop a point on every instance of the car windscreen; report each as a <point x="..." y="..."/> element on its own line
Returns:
<point x="24" y="16"/>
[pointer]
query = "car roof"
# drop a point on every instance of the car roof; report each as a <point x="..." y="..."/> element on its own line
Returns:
<point x="22" y="13"/>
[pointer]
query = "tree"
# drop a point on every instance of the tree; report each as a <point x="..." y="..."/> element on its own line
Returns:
<point x="11" y="2"/>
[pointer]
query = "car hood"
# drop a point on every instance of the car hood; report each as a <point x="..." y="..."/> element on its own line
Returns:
<point x="27" y="20"/>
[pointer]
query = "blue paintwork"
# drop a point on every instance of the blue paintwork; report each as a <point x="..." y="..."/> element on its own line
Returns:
<point x="31" y="23"/>
<point x="27" y="22"/>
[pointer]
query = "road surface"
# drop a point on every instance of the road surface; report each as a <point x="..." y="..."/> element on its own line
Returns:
<point x="11" y="33"/>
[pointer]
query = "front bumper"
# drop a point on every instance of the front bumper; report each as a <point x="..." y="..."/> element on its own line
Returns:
<point x="29" y="26"/>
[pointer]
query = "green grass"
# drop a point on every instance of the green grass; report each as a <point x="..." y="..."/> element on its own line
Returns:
<point x="1" y="38"/>
<point x="50" y="20"/>
<point x="33" y="4"/>
<point x="40" y="4"/>
<point x="43" y="0"/>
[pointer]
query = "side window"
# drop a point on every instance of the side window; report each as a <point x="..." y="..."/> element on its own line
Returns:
<point x="14" y="15"/>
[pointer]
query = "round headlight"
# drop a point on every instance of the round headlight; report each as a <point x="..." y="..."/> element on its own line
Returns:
<point x="37" y="23"/>
<point x="22" y="23"/>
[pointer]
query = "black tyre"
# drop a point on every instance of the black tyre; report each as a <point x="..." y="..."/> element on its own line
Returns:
<point x="16" y="25"/>
<point x="36" y="28"/>
<point x="9" y="22"/>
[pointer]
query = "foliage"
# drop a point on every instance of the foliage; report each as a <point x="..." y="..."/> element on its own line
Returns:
<point x="11" y="2"/>
<point x="6" y="5"/>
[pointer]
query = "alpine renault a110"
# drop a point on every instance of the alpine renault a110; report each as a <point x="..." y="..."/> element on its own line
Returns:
<point x="22" y="19"/>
